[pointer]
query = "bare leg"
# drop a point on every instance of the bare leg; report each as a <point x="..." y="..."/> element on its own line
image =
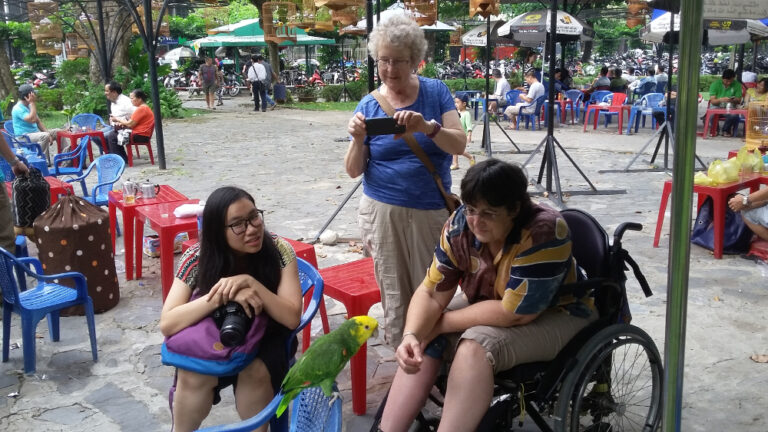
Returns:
<point x="470" y="388"/>
<point x="455" y="163"/>
<point x="759" y="230"/>
<point x="254" y="391"/>
<point x="408" y="395"/>
<point x="193" y="399"/>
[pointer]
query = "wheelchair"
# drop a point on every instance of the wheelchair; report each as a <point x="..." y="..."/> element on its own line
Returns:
<point x="608" y="378"/>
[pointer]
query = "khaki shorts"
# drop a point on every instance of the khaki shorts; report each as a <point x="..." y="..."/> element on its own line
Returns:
<point x="540" y="340"/>
<point x="210" y="88"/>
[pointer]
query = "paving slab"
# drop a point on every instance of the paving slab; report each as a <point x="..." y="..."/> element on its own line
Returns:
<point x="292" y="162"/>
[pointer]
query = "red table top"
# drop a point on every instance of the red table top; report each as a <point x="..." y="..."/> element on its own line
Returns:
<point x="77" y="134"/>
<point x="748" y="181"/>
<point x="711" y="111"/>
<point x="166" y="194"/>
<point x="55" y="184"/>
<point x="355" y="278"/>
<point x="161" y="215"/>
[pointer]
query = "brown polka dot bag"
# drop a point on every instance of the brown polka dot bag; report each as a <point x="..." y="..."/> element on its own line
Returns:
<point x="73" y="235"/>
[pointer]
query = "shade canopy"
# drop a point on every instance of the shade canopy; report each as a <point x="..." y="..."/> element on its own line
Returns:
<point x="248" y="33"/>
<point x="396" y="9"/>
<point x="178" y="53"/>
<point x="716" y="31"/>
<point x="478" y="36"/>
<point x="533" y="27"/>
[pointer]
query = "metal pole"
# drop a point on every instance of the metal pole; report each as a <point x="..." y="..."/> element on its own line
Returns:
<point x="150" y="42"/>
<point x="680" y="225"/>
<point x="552" y="60"/>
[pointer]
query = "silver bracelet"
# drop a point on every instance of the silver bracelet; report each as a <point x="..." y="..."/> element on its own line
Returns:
<point x="410" y="333"/>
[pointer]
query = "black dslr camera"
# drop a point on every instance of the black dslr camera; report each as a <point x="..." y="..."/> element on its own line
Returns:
<point x="233" y="323"/>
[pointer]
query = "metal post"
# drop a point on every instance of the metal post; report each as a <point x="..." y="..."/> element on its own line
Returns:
<point x="151" y="48"/>
<point x="680" y="225"/>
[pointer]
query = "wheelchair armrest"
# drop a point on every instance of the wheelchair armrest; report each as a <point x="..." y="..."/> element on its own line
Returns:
<point x="619" y="233"/>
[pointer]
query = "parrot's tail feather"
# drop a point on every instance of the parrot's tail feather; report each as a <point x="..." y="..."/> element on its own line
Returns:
<point x="281" y="408"/>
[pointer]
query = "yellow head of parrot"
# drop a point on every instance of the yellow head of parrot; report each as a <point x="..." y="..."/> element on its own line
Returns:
<point x="365" y="327"/>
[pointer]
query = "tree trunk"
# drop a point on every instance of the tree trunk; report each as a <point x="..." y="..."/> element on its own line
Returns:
<point x="7" y="83"/>
<point x="587" y="51"/>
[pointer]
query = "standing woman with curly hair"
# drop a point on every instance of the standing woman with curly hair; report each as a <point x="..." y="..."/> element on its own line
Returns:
<point x="402" y="211"/>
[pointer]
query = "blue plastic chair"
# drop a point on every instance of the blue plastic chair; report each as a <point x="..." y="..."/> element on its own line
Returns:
<point x="22" y="143"/>
<point x="644" y="89"/>
<point x="93" y="122"/>
<point x="646" y="106"/>
<point x="47" y="298"/>
<point x="596" y="97"/>
<point x="28" y="160"/>
<point x="535" y="116"/>
<point x="77" y="157"/>
<point x="109" y="168"/>
<point x="312" y="407"/>
<point x="576" y="97"/>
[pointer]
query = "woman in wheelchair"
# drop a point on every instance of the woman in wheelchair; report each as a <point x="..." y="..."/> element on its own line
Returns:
<point x="238" y="261"/>
<point x="510" y="256"/>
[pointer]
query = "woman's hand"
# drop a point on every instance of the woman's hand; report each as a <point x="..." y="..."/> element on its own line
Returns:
<point x="356" y="127"/>
<point x="413" y="122"/>
<point x="250" y="301"/>
<point x="409" y="354"/>
<point x="229" y="287"/>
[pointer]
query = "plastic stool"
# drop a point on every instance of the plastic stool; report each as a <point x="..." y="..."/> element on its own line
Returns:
<point x="354" y="285"/>
<point x="307" y="253"/>
<point x="759" y="248"/>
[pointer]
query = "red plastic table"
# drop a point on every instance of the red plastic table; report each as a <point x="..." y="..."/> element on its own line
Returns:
<point x="58" y="187"/>
<point x="74" y="136"/>
<point x="354" y="285"/>
<point x="713" y="114"/>
<point x="719" y="196"/>
<point x="162" y="220"/>
<point x="307" y="253"/>
<point x="166" y="194"/>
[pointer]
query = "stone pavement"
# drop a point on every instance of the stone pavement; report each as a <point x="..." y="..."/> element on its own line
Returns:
<point x="291" y="161"/>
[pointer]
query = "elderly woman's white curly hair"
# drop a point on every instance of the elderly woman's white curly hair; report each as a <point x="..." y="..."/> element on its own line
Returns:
<point x="399" y="32"/>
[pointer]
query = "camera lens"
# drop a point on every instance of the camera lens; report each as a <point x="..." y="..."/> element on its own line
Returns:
<point x="234" y="324"/>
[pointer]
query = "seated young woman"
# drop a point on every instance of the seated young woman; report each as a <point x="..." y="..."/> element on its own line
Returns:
<point x="511" y="257"/>
<point x="236" y="260"/>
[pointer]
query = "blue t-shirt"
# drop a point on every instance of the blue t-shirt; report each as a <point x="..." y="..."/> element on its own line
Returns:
<point x="394" y="174"/>
<point x="21" y="127"/>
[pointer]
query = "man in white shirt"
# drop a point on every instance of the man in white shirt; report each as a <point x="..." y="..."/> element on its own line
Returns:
<point x="535" y="90"/>
<point x="498" y="98"/>
<point x="120" y="106"/>
<point x="257" y="76"/>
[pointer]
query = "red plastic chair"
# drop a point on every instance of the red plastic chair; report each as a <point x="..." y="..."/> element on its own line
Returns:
<point x="135" y="145"/>
<point x="613" y="109"/>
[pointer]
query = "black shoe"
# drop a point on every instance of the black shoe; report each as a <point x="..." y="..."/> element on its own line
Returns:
<point x="753" y="258"/>
<point x="264" y="110"/>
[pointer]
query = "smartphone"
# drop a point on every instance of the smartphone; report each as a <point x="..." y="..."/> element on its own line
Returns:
<point x="383" y="126"/>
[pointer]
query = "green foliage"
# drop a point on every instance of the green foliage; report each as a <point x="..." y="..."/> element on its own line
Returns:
<point x="91" y="100"/>
<point x="49" y="99"/>
<point x="429" y="70"/>
<point x="331" y="92"/>
<point x="358" y="89"/>
<point x="6" y="105"/>
<point x="74" y="71"/>
<point x="328" y="55"/>
<point x="455" y="85"/>
<point x="21" y="36"/>
<point x="189" y="27"/>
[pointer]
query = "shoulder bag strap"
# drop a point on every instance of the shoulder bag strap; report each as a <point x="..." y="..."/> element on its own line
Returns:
<point x="415" y="147"/>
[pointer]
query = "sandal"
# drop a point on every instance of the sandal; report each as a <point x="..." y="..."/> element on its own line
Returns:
<point x="472" y="161"/>
<point x="454" y="167"/>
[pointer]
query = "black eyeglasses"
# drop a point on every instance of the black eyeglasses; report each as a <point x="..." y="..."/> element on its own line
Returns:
<point x="255" y="220"/>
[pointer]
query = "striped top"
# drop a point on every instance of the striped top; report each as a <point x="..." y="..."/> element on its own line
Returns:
<point x="188" y="264"/>
<point x="526" y="276"/>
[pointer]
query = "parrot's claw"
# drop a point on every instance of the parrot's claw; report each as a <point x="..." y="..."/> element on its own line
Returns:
<point x="336" y="395"/>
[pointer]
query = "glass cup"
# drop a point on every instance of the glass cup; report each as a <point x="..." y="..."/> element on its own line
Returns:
<point x="129" y="199"/>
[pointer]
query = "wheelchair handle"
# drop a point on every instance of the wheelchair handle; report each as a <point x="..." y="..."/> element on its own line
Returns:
<point x="619" y="233"/>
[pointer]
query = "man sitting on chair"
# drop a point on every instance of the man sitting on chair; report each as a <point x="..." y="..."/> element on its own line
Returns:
<point x="536" y="89"/>
<point x="498" y="98"/>
<point x="26" y="122"/>
<point x="121" y="107"/>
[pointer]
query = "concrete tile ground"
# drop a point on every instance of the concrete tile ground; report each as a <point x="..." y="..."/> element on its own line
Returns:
<point x="291" y="160"/>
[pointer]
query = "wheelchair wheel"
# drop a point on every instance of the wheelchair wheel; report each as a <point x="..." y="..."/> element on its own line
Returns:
<point x="615" y="386"/>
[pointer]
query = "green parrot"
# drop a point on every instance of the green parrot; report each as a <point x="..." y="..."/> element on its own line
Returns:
<point x="325" y="358"/>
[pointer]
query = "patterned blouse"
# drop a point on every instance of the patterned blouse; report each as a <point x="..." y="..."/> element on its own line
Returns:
<point x="188" y="268"/>
<point x="527" y="276"/>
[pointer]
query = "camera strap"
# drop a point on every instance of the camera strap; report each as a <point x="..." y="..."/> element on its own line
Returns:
<point x="415" y="147"/>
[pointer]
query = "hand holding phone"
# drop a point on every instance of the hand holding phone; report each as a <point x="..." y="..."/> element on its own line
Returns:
<point x="383" y="126"/>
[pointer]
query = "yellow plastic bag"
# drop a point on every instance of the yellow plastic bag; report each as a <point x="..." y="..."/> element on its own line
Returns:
<point x="732" y="168"/>
<point x="702" y="179"/>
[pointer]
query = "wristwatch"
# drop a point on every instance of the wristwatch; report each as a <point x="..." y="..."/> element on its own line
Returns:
<point x="745" y="200"/>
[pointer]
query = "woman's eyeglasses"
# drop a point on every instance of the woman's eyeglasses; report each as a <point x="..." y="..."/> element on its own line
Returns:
<point x="389" y="62"/>
<point x="488" y="215"/>
<point x="255" y="219"/>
